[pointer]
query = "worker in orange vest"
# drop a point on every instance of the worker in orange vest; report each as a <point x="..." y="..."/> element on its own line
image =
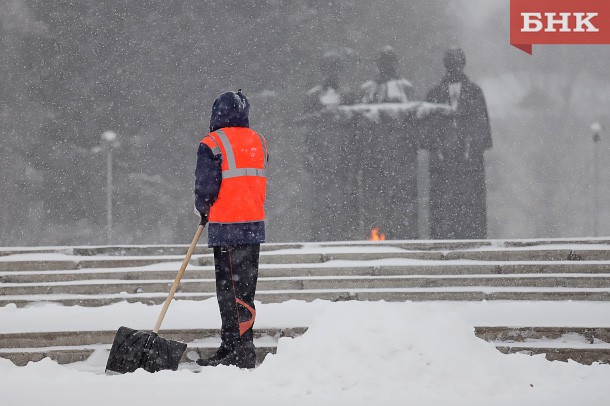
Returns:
<point x="230" y="188"/>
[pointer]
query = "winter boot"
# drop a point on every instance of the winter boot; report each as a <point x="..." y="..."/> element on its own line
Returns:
<point x="220" y="353"/>
<point x="244" y="356"/>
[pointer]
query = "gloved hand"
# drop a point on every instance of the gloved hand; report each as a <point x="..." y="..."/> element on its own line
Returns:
<point x="204" y="219"/>
<point x="204" y="216"/>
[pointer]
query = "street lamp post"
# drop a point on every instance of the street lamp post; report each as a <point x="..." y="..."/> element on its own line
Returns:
<point x="109" y="141"/>
<point x="596" y="128"/>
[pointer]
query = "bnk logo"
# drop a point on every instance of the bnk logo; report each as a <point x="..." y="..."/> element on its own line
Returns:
<point x="564" y="22"/>
<point x="559" y="22"/>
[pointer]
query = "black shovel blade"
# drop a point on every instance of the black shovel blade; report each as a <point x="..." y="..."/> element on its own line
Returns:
<point x="133" y="349"/>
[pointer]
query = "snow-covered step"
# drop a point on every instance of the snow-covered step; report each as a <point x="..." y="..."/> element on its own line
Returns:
<point x="129" y="250"/>
<point x="282" y="266"/>
<point x="382" y="267"/>
<point x="587" y="356"/>
<point x="74" y="346"/>
<point x="65" y="262"/>
<point x="443" y="245"/>
<point x="26" y="262"/>
<point x="586" y="335"/>
<point x="92" y="337"/>
<point x="558" y="254"/>
<point x="474" y="293"/>
<point x="405" y="244"/>
<point x="70" y="354"/>
<point x="459" y="293"/>
<point x="188" y="285"/>
<point x="581" y="344"/>
<point x="312" y="254"/>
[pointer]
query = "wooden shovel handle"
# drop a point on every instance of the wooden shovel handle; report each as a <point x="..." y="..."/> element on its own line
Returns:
<point x="172" y="291"/>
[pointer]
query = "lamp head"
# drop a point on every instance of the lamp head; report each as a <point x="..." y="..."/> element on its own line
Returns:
<point x="108" y="136"/>
<point x="597" y="129"/>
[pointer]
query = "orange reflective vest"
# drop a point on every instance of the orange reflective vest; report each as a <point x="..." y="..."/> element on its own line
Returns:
<point x="241" y="198"/>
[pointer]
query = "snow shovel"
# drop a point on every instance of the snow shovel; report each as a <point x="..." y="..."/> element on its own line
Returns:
<point x="133" y="349"/>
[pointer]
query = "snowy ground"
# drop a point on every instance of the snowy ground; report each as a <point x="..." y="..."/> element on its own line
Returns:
<point x="354" y="353"/>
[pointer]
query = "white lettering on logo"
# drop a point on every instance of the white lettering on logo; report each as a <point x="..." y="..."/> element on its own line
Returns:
<point x="551" y="22"/>
<point x="531" y="22"/>
<point x="581" y="22"/>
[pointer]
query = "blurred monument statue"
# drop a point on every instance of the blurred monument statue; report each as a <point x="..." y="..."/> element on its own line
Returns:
<point x="327" y="93"/>
<point x="329" y="159"/>
<point x="388" y="86"/>
<point x="387" y="147"/>
<point x="457" y="137"/>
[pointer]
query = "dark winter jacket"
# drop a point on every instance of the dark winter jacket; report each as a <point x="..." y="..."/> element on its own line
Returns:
<point x="229" y="110"/>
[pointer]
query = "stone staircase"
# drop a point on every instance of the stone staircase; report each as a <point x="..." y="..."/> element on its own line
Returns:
<point x="584" y="345"/>
<point x="572" y="269"/>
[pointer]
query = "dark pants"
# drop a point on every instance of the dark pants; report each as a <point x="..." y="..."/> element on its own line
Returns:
<point x="236" y="276"/>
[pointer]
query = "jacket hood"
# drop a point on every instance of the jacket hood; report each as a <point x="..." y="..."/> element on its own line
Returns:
<point x="230" y="109"/>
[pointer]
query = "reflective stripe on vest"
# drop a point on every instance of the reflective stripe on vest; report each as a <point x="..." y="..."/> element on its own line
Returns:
<point x="233" y="171"/>
<point x="242" y="193"/>
<point x="216" y="150"/>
